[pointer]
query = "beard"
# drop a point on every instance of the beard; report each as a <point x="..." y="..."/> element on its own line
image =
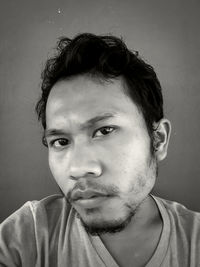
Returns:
<point x="104" y="227"/>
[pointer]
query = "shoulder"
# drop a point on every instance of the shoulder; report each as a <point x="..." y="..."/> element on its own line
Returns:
<point x="31" y="210"/>
<point x="32" y="216"/>
<point x="179" y="210"/>
<point x="183" y="220"/>
<point x="27" y="230"/>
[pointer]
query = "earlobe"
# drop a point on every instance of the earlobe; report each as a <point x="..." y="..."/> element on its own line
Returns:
<point x="161" y="138"/>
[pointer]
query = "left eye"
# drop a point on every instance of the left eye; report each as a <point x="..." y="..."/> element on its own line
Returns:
<point x="104" y="131"/>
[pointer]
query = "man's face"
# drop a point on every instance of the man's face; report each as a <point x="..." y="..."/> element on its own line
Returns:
<point x="99" y="150"/>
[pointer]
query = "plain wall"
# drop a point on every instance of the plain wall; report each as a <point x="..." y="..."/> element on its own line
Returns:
<point x="166" y="33"/>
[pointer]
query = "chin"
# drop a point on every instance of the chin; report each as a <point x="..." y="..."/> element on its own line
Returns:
<point x="98" y="226"/>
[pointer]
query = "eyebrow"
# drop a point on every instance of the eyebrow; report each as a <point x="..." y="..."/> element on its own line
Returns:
<point x="87" y="124"/>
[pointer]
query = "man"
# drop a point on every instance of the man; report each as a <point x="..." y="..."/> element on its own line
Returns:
<point x="102" y="112"/>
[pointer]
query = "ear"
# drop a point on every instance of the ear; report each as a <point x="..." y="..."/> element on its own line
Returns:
<point x="161" y="138"/>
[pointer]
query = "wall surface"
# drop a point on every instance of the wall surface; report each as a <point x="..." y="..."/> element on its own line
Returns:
<point x="166" y="33"/>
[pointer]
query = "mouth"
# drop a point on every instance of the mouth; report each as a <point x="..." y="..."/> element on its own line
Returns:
<point x="88" y="198"/>
<point x="90" y="202"/>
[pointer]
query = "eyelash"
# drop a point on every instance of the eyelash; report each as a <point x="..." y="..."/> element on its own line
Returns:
<point x="112" y="128"/>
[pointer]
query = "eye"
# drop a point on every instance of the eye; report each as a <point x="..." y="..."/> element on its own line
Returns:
<point x="59" y="143"/>
<point x="104" y="131"/>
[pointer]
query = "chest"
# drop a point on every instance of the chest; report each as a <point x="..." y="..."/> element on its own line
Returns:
<point x="137" y="255"/>
<point x="135" y="252"/>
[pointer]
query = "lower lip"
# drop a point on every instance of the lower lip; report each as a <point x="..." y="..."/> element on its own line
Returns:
<point x="90" y="202"/>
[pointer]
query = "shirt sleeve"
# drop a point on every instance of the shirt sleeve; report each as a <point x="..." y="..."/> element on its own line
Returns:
<point x="17" y="239"/>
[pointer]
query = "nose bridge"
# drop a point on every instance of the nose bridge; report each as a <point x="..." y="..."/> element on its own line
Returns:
<point x="84" y="161"/>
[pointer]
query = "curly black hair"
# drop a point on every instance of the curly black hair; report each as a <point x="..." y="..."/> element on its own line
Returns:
<point x="106" y="57"/>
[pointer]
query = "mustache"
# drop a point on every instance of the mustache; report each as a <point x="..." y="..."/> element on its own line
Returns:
<point x="107" y="190"/>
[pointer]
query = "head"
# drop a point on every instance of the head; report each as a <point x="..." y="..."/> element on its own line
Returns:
<point x="102" y="112"/>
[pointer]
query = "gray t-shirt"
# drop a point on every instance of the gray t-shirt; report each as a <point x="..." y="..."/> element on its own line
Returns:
<point x="48" y="233"/>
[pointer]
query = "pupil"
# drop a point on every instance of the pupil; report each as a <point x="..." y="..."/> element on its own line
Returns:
<point x="106" y="130"/>
<point x="62" y="142"/>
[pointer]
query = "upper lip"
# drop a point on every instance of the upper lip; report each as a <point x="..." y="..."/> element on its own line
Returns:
<point x="86" y="194"/>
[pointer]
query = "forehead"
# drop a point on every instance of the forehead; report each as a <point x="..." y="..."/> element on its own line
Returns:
<point x="82" y="97"/>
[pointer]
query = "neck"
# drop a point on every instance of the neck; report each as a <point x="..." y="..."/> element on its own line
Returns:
<point x="138" y="241"/>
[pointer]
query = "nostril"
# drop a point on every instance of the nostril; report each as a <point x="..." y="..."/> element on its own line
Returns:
<point x="73" y="177"/>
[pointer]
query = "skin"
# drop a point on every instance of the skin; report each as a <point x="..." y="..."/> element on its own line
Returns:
<point x="98" y="142"/>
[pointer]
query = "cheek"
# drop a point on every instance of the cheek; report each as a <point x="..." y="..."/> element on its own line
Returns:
<point x="128" y="157"/>
<point x="57" y="169"/>
<point x="60" y="175"/>
<point x="128" y="165"/>
<point x="52" y="164"/>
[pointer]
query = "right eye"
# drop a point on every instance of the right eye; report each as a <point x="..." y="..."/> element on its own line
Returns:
<point x="59" y="143"/>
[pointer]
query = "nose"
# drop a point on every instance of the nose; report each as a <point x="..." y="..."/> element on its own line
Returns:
<point x="84" y="163"/>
